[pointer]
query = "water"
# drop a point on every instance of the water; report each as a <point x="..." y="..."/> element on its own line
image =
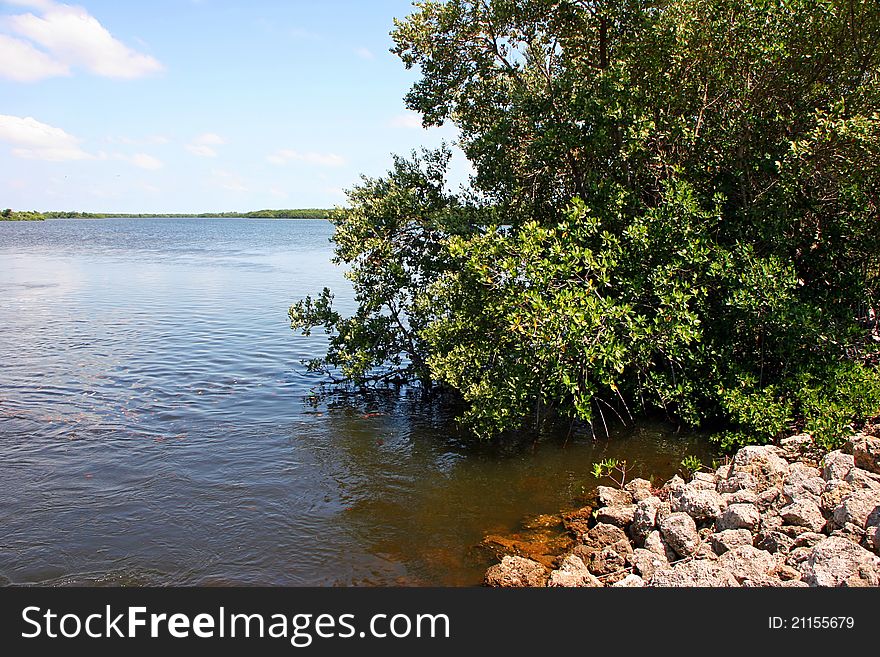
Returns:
<point x="157" y="428"/>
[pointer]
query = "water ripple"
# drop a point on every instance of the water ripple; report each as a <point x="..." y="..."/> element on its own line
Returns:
<point x="153" y="428"/>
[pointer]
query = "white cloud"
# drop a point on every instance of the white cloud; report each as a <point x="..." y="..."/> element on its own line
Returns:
<point x="145" y="161"/>
<point x="72" y="37"/>
<point x="201" y="151"/>
<point x="141" y="160"/>
<point x="409" y="120"/>
<point x="278" y="192"/>
<point x="284" y="156"/>
<point x="33" y="140"/>
<point x="202" y="145"/>
<point x="229" y="180"/>
<point x="21" y="62"/>
<point x="364" y="53"/>
<point x="209" y="138"/>
<point x="43" y="5"/>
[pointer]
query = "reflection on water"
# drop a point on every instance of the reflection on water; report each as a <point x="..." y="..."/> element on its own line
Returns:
<point x="155" y="426"/>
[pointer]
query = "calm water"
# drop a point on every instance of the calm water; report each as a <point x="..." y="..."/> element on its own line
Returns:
<point x="156" y="426"/>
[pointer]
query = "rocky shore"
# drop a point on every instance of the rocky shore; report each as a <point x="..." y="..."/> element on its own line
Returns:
<point x="773" y="516"/>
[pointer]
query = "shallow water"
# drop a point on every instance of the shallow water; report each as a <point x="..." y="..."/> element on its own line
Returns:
<point x="156" y="426"/>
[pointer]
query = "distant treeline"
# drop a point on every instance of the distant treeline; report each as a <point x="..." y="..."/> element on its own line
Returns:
<point x="20" y="215"/>
<point x="305" y="213"/>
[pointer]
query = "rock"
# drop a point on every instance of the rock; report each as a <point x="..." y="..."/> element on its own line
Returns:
<point x="803" y="482"/>
<point x="851" y="532"/>
<point x="797" y="448"/>
<point x="839" y="562"/>
<point x="797" y="557"/>
<point x="749" y="564"/>
<point x="787" y="573"/>
<point x="866" y="452"/>
<point x="639" y="489"/>
<point x="655" y="543"/>
<point x="703" y="481"/>
<point x="740" y="516"/>
<point x="771" y="521"/>
<point x="856" y="508"/>
<point x="804" y="513"/>
<point x="744" y="496"/>
<point x="517" y="572"/>
<point x="604" y="549"/>
<point x="613" y="496"/>
<point x="835" y="491"/>
<point x="738" y="481"/>
<point x="630" y="582"/>
<point x="729" y="539"/>
<point x="699" y="504"/>
<point x="606" y="561"/>
<point x="572" y="573"/>
<point x="705" y="551"/>
<point x="764" y="463"/>
<point x="672" y="485"/>
<point x="769" y="498"/>
<point x="723" y="472"/>
<point x="808" y="540"/>
<point x="794" y="531"/>
<point x="578" y="522"/>
<point x="875" y="539"/>
<point x="644" y="519"/>
<point x="646" y="563"/>
<point x="836" y="465"/>
<point x="663" y="510"/>
<point x="775" y="542"/>
<point x="794" y="583"/>
<point x="708" y="479"/>
<point x="693" y="573"/>
<point x="858" y="478"/>
<point x="604" y="535"/>
<point x="542" y="544"/>
<point x="619" y="516"/>
<point x="801" y="472"/>
<point x="680" y="532"/>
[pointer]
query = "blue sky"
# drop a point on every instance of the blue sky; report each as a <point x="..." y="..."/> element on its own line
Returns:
<point x="200" y="105"/>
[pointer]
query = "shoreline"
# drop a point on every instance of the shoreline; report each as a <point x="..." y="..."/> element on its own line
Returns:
<point x="302" y="214"/>
<point x="774" y="516"/>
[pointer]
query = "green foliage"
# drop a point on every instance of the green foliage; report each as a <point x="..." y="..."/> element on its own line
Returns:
<point x="691" y="465"/>
<point x="613" y="469"/>
<point x="306" y="213"/>
<point x="822" y="399"/>
<point x="675" y="206"/>
<point x="21" y="215"/>
<point x="393" y="237"/>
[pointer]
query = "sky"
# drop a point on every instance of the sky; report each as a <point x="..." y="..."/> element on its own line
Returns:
<point x="201" y="105"/>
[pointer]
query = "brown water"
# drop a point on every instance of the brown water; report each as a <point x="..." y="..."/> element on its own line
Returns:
<point x="156" y="426"/>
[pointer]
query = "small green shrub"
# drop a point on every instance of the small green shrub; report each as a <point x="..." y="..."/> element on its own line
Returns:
<point x="691" y="465"/>
<point x="613" y="469"/>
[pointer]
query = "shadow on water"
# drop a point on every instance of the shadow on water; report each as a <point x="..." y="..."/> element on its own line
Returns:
<point x="419" y="495"/>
